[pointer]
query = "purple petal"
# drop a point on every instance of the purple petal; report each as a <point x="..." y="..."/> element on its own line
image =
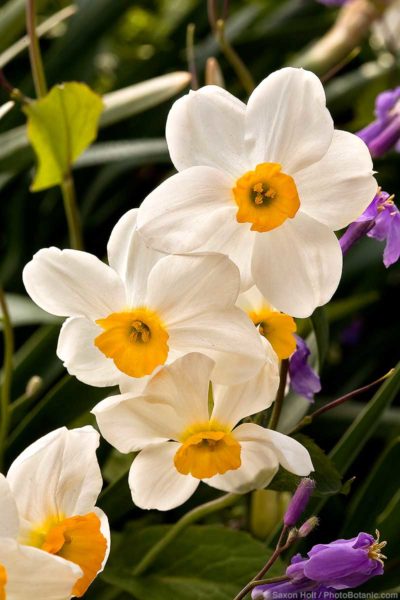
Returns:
<point x="386" y="139"/>
<point x="299" y="501"/>
<point x="340" y="566"/>
<point x="303" y="379"/>
<point x="391" y="253"/>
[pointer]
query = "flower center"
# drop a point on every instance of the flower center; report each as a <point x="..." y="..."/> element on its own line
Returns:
<point x="77" y="539"/>
<point x="207" y="452"/>
<point x="266" y="197"/>
<point x="136" y="340"/>
<point x="3" y="581"/>
<point x="277" y="328"/>
<point x="374" y="550"/>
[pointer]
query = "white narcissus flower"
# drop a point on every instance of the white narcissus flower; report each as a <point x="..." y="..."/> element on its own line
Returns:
<point x="181" y="442"/>
<point x="47" y="506"/>
<point x="27" y="572"/>
<point x="144" y="310"/>
<point x="276" y="327"/>
<point x="267" y="184"/>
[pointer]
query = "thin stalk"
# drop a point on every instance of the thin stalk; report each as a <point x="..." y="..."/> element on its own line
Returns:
<point x="190" y="55"/>
<point x="242" y="72"/>
<point x="330" y="405"/>
<point x="72" y="212"/>
<point x="35" y="56"/>
<point x="191" y="517"/>
<point x="250" y="586"/>
<point x="277" y="408"/>
<point x="7" y="375"/>
<point x="39" y="78"/>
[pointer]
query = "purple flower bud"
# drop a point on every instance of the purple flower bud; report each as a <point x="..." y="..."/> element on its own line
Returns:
<point x="303" y="379"/>
<point x="383" y="134"/>
<point x="299" y="501"/>
<point x="380" y="220"/>
<point x="333" y="2"/>
<point x="339" y="565"/>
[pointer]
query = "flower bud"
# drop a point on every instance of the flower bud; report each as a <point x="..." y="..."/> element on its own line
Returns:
<point x="34" y="384"/>
<point x="308" y="526"/>
<point x="299" y="501"/>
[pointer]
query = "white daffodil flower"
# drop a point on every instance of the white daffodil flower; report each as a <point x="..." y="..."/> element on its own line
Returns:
<point x="267" y="184"/>
<point x="144" y="310"/>
<point x="27" y="572"/>
<point x="181" y="442"/>
<point x="276" y="327"/>
<point x="47" y="507"/>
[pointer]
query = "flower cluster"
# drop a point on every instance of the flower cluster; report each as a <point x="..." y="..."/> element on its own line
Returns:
<point x="190" y="318"/>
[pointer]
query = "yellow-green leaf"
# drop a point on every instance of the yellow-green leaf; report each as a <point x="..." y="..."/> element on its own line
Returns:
<point x="60" y="127"/>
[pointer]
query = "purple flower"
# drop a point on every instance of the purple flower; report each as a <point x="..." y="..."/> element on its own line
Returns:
<point x="339" y="565"/>
<point x="383" y="134"/>
<point x="303" y="379"/>
<point x="299" y="501"/>
<point x="380" y="220"/>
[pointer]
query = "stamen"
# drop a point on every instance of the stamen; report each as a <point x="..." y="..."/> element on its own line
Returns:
<point x="374" y="551"/>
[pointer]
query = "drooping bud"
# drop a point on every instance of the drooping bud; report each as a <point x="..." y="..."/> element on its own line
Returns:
<point x="299" y="502"/>
<point x="34" y="384"/>
<point x="308" y="526"/>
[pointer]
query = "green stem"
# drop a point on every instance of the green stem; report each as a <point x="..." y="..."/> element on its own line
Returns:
<point x="7" y="375"/>
<point x="191" y="517"/>
<point x="234" y="59"/>
<point x="35" y="56"/>
<point x="39" y="78"/>
<point x="71" y="212"/>
<point x="277" y="408"/>
<point x="190" y="55"/>
<point x="246" y="590"/>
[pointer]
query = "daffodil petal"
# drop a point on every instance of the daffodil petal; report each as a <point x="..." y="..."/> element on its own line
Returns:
<point x="73" y="283"/>
<point x="131" y="258"/>
<point x="154" y="481"/>
<point x="228" y="337"/>
<point x="233" y="403"/>
<point x="58" y="473"/>
<point x="287" y="121"/>
<point x="182" y="287"/>
<point x="186" y="210"/>
<point x="298" y="266"/>
<point x="206" y="128"/>
<point x="81" y="357"/>
<point x="347" y="186"/>
<point x="34" y="573"/>
<point x="292" y="455"/>
<point x="9" y="520"/>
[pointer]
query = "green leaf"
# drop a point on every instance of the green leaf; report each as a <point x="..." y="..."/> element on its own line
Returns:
<point x="204" y="562"/>
<point x="321" y="329"/>
<point x="359" y="432"/>
<point x="380" y="485"/>
<point x="139" y="97"/>
<point x="327" y="477"/>
<point x="60" y="127"/>
<point x="24" y="312"/>
<point x="131" y="153"/>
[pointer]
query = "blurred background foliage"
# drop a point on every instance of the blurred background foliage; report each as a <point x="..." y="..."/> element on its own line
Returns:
<point x="112" y="44"/>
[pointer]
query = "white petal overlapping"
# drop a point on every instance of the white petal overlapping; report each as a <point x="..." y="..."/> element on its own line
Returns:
<point x="347" y="187"/>
<point x="215" y="120"/>
<point x="33" y="573"/>
<point x="286" y="121"/>
<point x="154" y="481"/>
<point x="70" y="283"/>
<point x="9" y="519"/>
<point x="57" y="475"/>
<point x="174" y="404"/>
<point x="304" y="253"/>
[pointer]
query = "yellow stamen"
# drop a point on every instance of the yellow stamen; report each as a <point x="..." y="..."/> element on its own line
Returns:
<point x="136" y="340"/>
<point x="3" y="582"/>
<point x="277" y="328"/>
<point x="374" y="551"/>
<point x="207" y="451"/>
<point x="266" y="197"/>
<point x="77" y="539"/>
